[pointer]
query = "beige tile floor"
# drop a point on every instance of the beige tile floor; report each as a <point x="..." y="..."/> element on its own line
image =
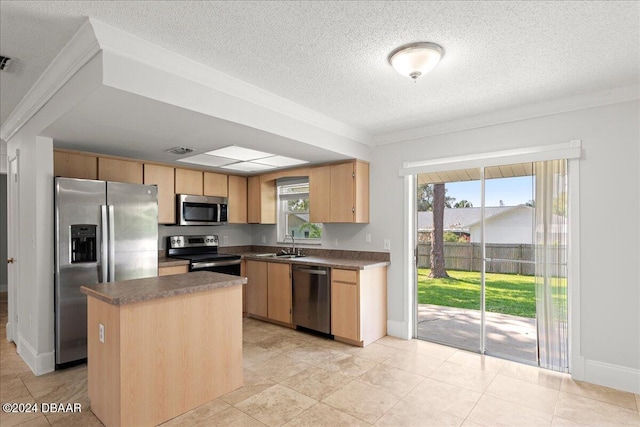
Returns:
<point x="295" y="379"/>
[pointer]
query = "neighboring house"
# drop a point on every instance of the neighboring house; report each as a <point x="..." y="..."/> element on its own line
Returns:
<point x="511" y="225"/>
<point x="503" y="224"/>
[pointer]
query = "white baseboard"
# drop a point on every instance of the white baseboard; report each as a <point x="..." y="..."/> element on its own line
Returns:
<point x="398" y="329"/>
<point x="576" y="368"/>
<point x="9" y="332"/>
<point x="614" y="376"/>
<point x="41" y="363"/>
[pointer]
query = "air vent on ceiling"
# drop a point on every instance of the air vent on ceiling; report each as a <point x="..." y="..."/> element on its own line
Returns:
<point x="179" y="150"/>
<point x="5" y="63"/>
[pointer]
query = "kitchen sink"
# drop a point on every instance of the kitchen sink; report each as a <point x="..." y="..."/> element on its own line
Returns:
<point x="273" y="255"/>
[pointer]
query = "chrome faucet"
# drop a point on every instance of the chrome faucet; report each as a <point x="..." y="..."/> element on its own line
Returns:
<point x="293" y="243"/>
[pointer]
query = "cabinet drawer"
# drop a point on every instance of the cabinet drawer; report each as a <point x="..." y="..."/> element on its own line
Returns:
<point x="349" y="276"/>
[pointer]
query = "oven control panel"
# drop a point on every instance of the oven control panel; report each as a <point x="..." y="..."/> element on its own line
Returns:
<point x="191" y="241"/>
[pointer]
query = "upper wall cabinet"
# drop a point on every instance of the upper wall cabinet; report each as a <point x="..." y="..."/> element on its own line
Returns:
<point x="75" y="165"/>
<point x="339" y="193"/>
<point x="119" y="170"/>
<point x="237" y="199"/>
<point x="162" y="176"/>
<point x="189" y="182"/>
<point x="261" y="200"/>
<point x="215" y="184"/>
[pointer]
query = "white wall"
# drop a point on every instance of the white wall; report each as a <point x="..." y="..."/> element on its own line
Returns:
<point x="35" y="338"/>
<point x="609" y="186"/>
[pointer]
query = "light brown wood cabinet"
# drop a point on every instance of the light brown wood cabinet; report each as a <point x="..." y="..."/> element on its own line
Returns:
<point x="279" y="292"/>
<point x="120" y="170"/>
<point x="75" y="165"/>
<point x="268" y="290"/>
<point x="359" y="305"/>
<point x="215" y="184"/>
<point x="174" y="269"/>
<point x="339" y="193"/>
<point x="189" y="182"/>
<point x="261" y="200"/>
<point x="237" y="199"/>
<point x="320" y="194"/>
<point x="163" y="177"/>
<point x="256" y="288"/>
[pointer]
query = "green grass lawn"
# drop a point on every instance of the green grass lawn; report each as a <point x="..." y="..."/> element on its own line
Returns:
<point x="505" y="293"/>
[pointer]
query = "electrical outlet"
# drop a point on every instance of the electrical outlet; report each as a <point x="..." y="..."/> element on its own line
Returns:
<point x="264" y="239"/>
<point x="101" y="332"/>
<point x="335" y="243"/>
<point x="367" y="238"/>
<point x="225" y="240"/>
<point x="387" y="244"/>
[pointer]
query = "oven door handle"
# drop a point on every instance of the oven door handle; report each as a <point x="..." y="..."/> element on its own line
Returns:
<point x="200" y="265"/>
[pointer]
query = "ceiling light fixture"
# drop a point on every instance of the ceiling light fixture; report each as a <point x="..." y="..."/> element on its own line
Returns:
<point x="416" y="59"/>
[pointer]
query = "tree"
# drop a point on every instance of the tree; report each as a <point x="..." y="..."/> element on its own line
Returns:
<point x="437" y="235"/>
<point x="560" y="204"/>
<point x="463" y="204"/>
<point x="425" y="198"/>
<point x="315" y="232"/>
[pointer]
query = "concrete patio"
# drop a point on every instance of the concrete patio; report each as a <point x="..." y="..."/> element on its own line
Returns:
<point x="511" y="337"/>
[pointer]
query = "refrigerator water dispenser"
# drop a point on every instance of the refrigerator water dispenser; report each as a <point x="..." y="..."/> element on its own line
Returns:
<point x="83" y="243"/>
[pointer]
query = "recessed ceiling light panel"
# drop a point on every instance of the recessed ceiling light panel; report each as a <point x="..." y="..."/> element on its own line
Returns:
<point x="207" y="160"/>
<point x="248" y="167"/>
<point x="239" y="153"/>
<point x="280" y="161"/>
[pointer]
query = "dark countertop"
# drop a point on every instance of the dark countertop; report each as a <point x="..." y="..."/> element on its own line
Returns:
<point x="344" y="263"/>
<point x="151" y="288"/>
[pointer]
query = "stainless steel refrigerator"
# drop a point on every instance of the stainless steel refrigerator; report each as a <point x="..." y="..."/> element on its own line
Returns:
<point x="105" y="232"/>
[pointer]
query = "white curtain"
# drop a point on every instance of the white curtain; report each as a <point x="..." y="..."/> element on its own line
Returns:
<point x="551" y="228"/>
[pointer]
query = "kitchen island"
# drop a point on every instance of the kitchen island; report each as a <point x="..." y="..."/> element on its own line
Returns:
<point x="161" y="346"/>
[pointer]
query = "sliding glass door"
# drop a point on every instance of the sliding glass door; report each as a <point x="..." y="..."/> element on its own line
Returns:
<point x="492" y="261"/>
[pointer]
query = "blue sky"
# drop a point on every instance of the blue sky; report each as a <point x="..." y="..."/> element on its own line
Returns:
<point x="512" y="191"/>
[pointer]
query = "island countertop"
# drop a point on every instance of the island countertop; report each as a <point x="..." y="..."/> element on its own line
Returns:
<point x="151" y="288"/>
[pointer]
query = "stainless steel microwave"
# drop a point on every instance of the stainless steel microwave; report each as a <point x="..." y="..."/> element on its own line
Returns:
<point x="201" y="210"/>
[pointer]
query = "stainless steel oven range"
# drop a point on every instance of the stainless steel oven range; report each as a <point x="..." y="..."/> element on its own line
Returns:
<point x="202" y="252"/>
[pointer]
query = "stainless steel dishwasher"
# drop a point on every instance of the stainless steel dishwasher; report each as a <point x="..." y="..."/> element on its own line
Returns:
<point x="312" y="298"/>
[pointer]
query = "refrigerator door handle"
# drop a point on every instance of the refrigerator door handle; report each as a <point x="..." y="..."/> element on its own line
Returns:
<point x="112" y="245"/>
<point x="104" y="242"/>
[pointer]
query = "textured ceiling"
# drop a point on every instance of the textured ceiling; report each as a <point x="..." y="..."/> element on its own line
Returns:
<point x="332" y="56"/>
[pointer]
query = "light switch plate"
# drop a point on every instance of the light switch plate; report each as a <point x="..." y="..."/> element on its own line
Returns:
<point x="387" y="244"/>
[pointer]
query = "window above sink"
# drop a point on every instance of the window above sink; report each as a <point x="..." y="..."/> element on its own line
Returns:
<point x="293" y="212"/>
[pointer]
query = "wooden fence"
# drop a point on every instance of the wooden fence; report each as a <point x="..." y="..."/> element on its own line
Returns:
<point x="468" y="257"/>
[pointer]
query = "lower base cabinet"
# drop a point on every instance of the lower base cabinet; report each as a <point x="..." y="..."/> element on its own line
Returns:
<point x="279" y="292"/>
<point x="359" y="305"/>
<point x="256" y="288"/>
<point x="268" y="290"/>
<point x="174" y="269"/>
